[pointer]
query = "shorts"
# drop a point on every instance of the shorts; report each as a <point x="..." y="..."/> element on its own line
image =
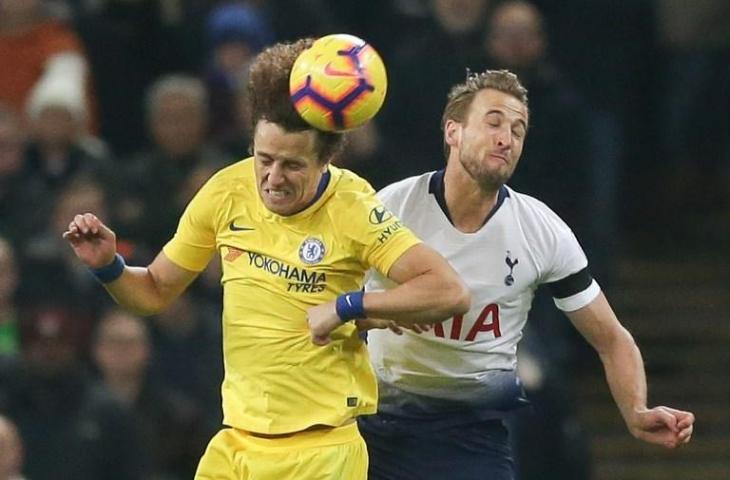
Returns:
<point x="331" y="454"/>
<point x="475" y="451"/>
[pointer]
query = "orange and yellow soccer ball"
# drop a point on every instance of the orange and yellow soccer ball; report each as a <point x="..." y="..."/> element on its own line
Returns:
<point x="338" y="83"/>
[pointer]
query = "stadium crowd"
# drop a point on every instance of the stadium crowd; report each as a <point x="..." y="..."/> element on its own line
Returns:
<point x="126" y="107"/>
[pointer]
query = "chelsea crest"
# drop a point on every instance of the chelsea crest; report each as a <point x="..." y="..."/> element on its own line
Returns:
<point x="311" y="251"/>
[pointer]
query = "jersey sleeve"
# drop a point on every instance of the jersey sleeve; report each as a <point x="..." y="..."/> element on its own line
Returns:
<point x="194" y="242"/>
<point x="380" y="237"/>
<point x="568" y="276"/>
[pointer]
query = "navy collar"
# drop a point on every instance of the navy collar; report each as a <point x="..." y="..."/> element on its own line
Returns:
<point x="323" y="182"/>
<point x="437" y="188"/>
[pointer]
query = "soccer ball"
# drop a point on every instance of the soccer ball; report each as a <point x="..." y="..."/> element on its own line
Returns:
<point x="338" y="83"/>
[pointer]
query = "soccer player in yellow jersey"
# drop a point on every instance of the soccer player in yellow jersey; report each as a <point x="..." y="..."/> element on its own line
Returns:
<point x="295" y="236"/>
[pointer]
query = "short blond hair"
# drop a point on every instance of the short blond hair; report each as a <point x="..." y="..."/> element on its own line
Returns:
<point x="462" y="94"/>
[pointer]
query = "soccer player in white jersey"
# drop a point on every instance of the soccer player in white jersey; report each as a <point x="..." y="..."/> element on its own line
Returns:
<point x="444" y="392"/>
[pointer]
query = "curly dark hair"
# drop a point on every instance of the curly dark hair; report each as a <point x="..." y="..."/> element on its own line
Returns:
<point x="268" y="95"/>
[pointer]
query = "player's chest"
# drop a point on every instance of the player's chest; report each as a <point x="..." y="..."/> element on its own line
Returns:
<point x="295" y="258"/>
<point x="496" y="259"/>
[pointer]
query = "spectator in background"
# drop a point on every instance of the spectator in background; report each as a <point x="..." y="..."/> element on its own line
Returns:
<point x="173" y="439"/>
<point x="9" y="278"/>
<point x="424" y="66"/>
<point x="40" y="54"/>
<point x="12" y="158"/>
<point x="58" y="152"/>
<point x="70" y="426"/>
<point x="46" y="261"/>
<point x="130" y="43"/>
<point x="187" y="345"/>
<point x="173" y="167"/>
<point x="11" y="451"/>
<point x="383" y="23"/>
<point x="695" y="38"/>
<point x="236" y="32"/>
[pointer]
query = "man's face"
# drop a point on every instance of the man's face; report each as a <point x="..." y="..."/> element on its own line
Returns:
<point x="288" y="169"/>
<point x="122" y="348"/>
<point x="233" y="58"/>
<point x="178" y="125"/>
<point x="516" y="40"/>
<point x="11" y="148"/>
<point x="488" y="144"/>
<point x="459" y="16"/>
<point x="11" y="450"/>
<point x="55" y="126"/>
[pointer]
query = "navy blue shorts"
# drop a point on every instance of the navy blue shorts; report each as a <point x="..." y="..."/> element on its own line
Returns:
<point x="475" y="451"/>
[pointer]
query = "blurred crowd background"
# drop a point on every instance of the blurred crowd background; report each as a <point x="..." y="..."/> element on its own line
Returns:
<point x="125" y="107"/>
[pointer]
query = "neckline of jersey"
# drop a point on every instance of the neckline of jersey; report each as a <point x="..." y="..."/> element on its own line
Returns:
<point x="437" y="188"/>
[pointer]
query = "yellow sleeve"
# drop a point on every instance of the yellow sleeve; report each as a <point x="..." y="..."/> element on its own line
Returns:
<point x="194" y="242"/>
<point x="380" y="236"/>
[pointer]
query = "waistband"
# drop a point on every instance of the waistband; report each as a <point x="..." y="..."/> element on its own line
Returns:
<point x="316" y="436"/>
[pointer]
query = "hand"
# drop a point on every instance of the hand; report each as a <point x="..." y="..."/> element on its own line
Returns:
<point x="365" y="324"/>
<point x="92" y="241"/>
<point x="322" y="320"/>
<point x="663" y="426"/>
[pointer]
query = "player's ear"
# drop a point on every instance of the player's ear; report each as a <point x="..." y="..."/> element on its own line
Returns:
<point x="452" y="133"/>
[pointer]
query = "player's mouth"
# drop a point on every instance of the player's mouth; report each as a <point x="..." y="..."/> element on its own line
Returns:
<point x="497" y="156"/>
<point x="276" y="194"/>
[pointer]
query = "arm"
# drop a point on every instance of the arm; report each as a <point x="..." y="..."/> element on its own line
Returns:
<point x="429" y="291"/>
<point x="626" y="379"/>
<point x="144" y="290"/>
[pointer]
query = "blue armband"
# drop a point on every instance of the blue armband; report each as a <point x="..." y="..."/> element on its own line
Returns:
<point x="349" y="306"/>
<point x="110" y="272"/>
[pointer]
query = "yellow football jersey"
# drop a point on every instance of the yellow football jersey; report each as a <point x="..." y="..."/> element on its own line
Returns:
<point x="275" y="268"/>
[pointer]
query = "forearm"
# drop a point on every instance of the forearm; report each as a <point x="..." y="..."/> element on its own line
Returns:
<point x="621" y="358"/>
<point x="137" y="290"/>
<point x="144" y="290"/>
<point x="625" y="375"/>
<point x="149" y="290"/>
<point x="427" y="298"/>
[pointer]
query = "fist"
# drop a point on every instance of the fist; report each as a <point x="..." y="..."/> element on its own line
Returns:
<point x="322" y="319"/>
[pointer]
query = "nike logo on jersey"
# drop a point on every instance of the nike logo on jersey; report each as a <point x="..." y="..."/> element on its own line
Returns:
<point x="236" y="228"/>
<point x="329" y="70"/>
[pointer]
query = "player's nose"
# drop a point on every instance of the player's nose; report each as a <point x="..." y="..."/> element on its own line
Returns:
<point x="276" y="174"/>
<point x="503" y="138"/>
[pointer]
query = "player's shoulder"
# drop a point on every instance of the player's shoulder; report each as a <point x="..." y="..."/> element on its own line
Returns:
<point x="398" y="192"/>
<point x="349" y="189"/>
<point x="534" y="212"/>
<point x="232" y="181"/>
<point x="234" y="171"/>
<point x="349" y="182"/>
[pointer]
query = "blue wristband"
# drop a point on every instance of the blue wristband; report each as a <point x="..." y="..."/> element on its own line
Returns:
<point x="110" y="272"/>
<point x="349" y="306"/>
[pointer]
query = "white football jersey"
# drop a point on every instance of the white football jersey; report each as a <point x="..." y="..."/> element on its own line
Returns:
<point x="522" y="245"/>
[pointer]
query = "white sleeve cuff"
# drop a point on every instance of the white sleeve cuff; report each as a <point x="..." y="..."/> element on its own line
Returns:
<point x="580" y="299"/>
